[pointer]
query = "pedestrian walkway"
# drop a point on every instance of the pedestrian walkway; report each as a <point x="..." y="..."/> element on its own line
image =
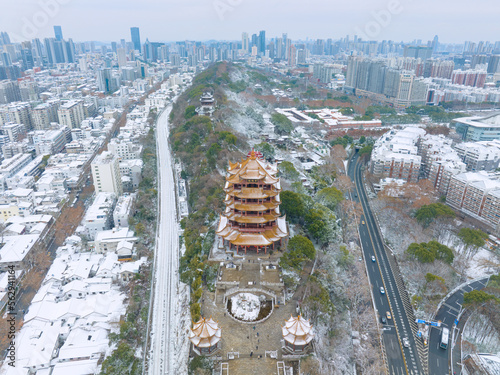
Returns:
<point x="249" y="340"/>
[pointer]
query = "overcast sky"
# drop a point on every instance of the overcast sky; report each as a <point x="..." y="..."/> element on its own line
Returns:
<point x="171" y="20"/>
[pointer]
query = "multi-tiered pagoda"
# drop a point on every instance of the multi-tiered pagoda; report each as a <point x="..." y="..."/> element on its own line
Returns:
<point x="251" y="221"/>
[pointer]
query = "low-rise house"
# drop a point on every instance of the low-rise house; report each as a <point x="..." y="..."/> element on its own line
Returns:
<point x="107" y="241"/>
<point x="130" y="269"/>
<point x="124" y="250"/>
<point x="17" y="249"/>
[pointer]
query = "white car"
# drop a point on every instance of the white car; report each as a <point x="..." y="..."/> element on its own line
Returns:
<point x="382" y="290"/>
<point x="373" y="258"/>
<point x="406" y="342"/>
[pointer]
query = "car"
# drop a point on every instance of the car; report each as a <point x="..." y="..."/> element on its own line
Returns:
<point x="383" y="320"/>
<point x="373" y="258"/>
<point x="406" y="342"/>
<point x="382" y="290"/>
<point x="363" y="222"/>
<point x="388" y="315"/>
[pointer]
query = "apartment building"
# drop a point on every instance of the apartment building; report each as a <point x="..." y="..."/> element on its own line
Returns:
<point x="45" y="114"/>
<point x="122" y="210"/>
<point x="124" y="148"/>
<point x="439" y="161"/>
<point x="18" y="113"/>
<point x="71" y="114"/>
<point x="48" y="142"/>
<point x="131" y="171"/>
<point x="480" y="156"/>
<point x="476" y="194"/>
<point x="106" y="173"/>
<point x="395" y="155"/>
<point x="99" y="215"/>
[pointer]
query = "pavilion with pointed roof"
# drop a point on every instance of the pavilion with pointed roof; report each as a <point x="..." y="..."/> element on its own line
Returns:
<point x="205" y="336"/>
<point x="251" y="220"/>
<point x="297" y="334"/>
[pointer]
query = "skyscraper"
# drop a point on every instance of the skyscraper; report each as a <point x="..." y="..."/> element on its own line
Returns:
<point x="292" y="56"/>
<point x="136" y="38"/>
<point x="105" y="81"/>
<point x="255" y="40"/>
<point x="6" y="60"/>
<point x="416" y="52"/>
<point x="58" y="33"/>
<point x="122" y="57"/>
<point x="244" y="42"/>
<point x="435" y="44"/>
<point x="494" y="64"/>
<point x="262" y="42"/>
<point x="4" y="38"/>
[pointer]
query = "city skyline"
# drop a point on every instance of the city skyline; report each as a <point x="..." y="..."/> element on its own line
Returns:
<point x="396" y="20"/>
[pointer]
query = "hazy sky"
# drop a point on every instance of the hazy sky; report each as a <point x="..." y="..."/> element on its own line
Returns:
<point x="170" y="20"/>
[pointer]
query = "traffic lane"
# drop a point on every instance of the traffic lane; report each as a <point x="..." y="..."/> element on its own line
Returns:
<point x="455" y="301"/>
<point x="374" y="271"/>
<point x="392" y="345"/>
<point x="438" y="357"/>
<point x="399" y="317"/>
<point x="381" y="301"/>
<point x="396" y="360"/>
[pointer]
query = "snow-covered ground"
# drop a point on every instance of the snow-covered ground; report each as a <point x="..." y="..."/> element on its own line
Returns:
<point x="245" y="306"/>
<point x="240" y="122"/>
<point x="480" y="332"/>
<point x="168" y="349"/>
<point x="483" y="263"/>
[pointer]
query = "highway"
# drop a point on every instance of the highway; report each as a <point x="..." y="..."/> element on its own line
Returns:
<point x="447" y="313"/>
<point x="400" y="360"/>
<point x="163" y="358"/>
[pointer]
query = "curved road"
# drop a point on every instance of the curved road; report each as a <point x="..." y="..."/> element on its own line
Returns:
<point x="449" y="311"/>
<point x="400" y="360"/>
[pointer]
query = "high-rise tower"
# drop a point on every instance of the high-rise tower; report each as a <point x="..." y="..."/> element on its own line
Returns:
<point x="58" y="33"/>
<point x="136" y="38"/>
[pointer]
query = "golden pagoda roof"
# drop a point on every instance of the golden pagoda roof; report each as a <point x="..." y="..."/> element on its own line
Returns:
<point x="252" y="168"/>
<point x="253" y="206"/>
<point x="252" y="193"/>
<point x="255" y="193"/>
<point x="264" y="238"/>
<point x="205" y="333"/>
<point x="252" y="219"/>
<point x="251" y="239"/>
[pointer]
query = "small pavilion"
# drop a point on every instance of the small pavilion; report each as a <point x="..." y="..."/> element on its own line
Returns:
<point x="205" y="336"/>
<point x="298" y="334"/>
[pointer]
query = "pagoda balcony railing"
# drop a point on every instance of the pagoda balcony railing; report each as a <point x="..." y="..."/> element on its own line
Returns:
<point x="256" y="214"/>
<point x="255" y="201"/>
<point x="269" y="225"/>
<point x="264" y="187"/>
<point x="254" y="230"/>
<point x="233" y="190"/>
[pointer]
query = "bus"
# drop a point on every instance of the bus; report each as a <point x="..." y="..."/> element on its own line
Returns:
<point x="445" y="336"/>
